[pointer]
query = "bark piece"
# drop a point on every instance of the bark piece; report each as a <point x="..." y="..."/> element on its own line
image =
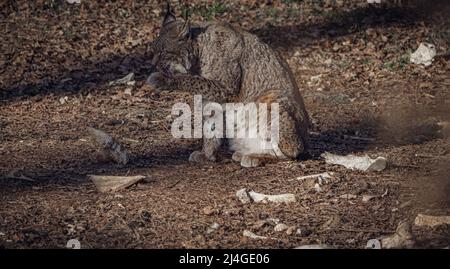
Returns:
<point x="424" y="55"/>
<point x="114" y="183"/>
<point x="431" y="221"/>
<point x="246" y="196"/>
<point x="364" y="163"/>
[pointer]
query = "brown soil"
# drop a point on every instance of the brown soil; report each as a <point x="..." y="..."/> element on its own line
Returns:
<point x="367" y="89"/>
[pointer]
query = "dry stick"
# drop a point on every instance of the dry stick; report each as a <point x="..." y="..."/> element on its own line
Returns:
<point x="174" y="184"/>
<point x="359" y="138"/>
<point x="432" y="156"/>
<point x="22" y="177"/>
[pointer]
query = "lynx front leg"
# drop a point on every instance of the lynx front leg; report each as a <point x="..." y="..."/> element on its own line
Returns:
<point x="209" y="151"/>
<point x="212" y="137"/>
<point x="210" y="90"/>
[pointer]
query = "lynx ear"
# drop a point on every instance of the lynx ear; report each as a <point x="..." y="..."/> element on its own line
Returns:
<point x="170" y="15"/>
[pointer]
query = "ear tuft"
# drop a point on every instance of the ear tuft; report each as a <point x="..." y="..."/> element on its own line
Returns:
<point x="170" y="15"/>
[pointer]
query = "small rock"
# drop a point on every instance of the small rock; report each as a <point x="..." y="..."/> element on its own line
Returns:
<point x="336" y="47"/>
<point x="318" y="188"/>
<point x="366" y="198"/>
<point x="63" y="100"/>
<point x="209" y="210"/>
<point x="424" y="55"/>
<point x="242" y="195"/>
<point x="280" y="227"/>
<point x="212" y="228"/>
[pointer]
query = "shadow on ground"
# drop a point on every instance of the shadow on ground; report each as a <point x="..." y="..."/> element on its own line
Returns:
<point x="96" y="74"/>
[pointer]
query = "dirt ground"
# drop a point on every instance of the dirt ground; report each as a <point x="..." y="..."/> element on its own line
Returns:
<point x="351" y="62"/>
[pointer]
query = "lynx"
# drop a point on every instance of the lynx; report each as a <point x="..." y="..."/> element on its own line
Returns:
<point x="226" y="64"/>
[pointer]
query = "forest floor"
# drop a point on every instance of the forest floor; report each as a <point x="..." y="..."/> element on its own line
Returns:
<point x="351" y="62"/>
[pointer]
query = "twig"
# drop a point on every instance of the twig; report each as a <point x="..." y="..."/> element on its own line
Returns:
<point x="22" y="177"/>
<point x="174" y="184"/>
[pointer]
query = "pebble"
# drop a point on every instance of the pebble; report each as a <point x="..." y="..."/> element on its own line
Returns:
<point x="280" y="227"/>
<point x="208" y="210"/>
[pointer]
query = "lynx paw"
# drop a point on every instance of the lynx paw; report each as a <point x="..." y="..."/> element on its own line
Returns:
<point x="248" y="161"/>
<point x="237" y="156"/>
<point x="200" y="157"/>
<point x="197" y="157"/>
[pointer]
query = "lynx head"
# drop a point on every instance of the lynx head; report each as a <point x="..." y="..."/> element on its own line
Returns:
<point x="172" y="49"/>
